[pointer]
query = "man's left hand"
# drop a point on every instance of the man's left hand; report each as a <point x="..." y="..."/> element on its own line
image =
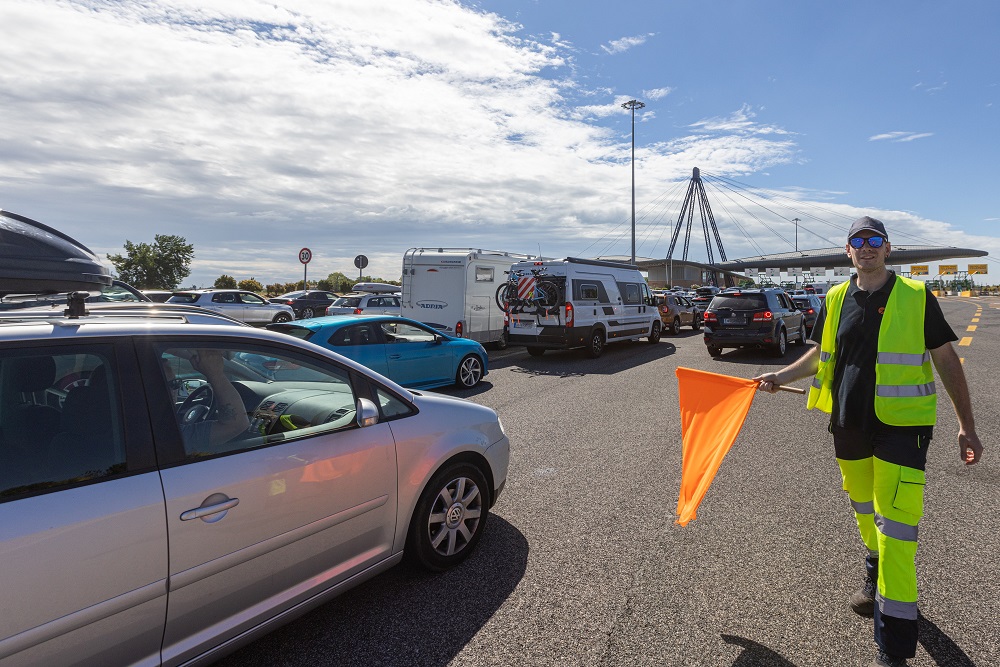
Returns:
<point x="969" y="448"/>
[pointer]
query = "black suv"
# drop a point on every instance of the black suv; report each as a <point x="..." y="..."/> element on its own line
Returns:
<point x="764" y="318"/>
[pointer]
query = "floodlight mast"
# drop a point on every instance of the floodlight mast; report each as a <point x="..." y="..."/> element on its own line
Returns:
<point x="633" y="105"/>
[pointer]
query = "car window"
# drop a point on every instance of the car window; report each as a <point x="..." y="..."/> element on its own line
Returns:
<point x="218" y="411"/>
<point x="360" y="334"/>
<point x="402" y="332"/>
<point x="484" y="274"/>
<point x="347" y="302"/>
<point x="246" y="297"/>
<point x="632" y="293"/>
<point x="291" y="295"/>
<point x="224" y="297"/>
<point x="302" y="333"/>
<point x="588" y="292"/>
<point x="183" y="298"/>
<point x="60" y="419"/>
<point x="390" y="405"/>
<point x="739" y="302"/>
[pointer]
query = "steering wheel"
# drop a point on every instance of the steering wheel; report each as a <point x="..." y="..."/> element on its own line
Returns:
<point x="197" y="406"/>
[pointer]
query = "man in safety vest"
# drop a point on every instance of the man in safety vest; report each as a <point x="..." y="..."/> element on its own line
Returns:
<point x="875" y="340"/>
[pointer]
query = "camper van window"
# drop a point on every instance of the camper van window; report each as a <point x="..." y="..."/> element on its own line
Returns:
<point x="632" y="293"/>
<point x="588" y="292"/>
<point x="484" y="274"/>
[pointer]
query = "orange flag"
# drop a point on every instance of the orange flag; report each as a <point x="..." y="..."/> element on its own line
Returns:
<point x="713" y="408"/>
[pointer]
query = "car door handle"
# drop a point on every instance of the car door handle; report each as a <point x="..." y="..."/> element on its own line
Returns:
<point x="395" y="356"/>
<point x="209" y="510"/>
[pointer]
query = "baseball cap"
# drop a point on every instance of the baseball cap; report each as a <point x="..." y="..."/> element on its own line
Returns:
<point x="863" y="223"/>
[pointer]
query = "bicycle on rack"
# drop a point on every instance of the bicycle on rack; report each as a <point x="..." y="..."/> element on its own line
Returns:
<point x="522" y="291"/>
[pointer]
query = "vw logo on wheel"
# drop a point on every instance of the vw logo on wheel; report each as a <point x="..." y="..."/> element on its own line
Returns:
<point x="455" y="514"/>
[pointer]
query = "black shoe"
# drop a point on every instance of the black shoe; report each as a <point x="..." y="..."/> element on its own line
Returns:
<point x="863" y="600"/>
<point x="883" y="659"/>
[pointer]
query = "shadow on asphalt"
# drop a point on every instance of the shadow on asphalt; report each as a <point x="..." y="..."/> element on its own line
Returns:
<point x="940" y="646"/>
<point x="405" y="616"/>
<point x="756" y="655"/>
<point x="755" y="357"/>
<point x="617" y="357"/>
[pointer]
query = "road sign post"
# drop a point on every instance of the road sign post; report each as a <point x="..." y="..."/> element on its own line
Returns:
<point x="305" y="256"/>
<point x="361" y="262"/>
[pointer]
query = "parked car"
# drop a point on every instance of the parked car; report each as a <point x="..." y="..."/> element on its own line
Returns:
<point x="307" y="303"/>
<point x="408" y="352"/>
<point x="238" y="304"/>
<point x="162" y="501"/>
<point x="357" y="303"/>
<point x="677" y="311"/>
<point x="810" y="305"/>
<point x="762" y="318"/>
<point x="116" y="292"/>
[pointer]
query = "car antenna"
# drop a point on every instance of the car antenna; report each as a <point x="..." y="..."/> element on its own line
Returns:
<point x="77" y="305"/>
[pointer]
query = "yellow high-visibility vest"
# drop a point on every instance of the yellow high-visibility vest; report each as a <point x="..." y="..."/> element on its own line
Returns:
<point x="905" y="394"/>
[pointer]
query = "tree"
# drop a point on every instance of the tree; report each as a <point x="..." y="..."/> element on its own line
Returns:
<point x="160" y="265"/>
<point x="251" y="285"/>
<point x="225" y="282"/>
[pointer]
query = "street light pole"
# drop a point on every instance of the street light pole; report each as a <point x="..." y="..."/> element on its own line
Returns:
<point x="633" y="105"/>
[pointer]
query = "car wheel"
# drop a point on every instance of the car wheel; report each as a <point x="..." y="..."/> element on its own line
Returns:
<point x="714" y="351"/>
<point x="470" y="371"/>
<point x="802" y="335"/>
<point x="503" y="341"/>
<point x="307" y="313"/>
<point x="536" y="351"/>
<point x="596" y="347"/>
<point x="675" y="326"/>
<point x="449" y="518"/>
<point x="696" y="325"/>
<point x="654" y="333"/>
<point x="781" y="345"/>
<point x="281" y="318"/>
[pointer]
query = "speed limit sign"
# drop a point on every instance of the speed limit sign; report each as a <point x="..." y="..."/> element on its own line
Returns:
<point x="305" y="255"/>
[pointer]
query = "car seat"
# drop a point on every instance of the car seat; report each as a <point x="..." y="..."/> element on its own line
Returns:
<point x="86" y="445"/>
<point x="29" y="425"/>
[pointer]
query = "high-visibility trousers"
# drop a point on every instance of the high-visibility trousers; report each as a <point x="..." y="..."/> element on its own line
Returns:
<point x="886" y="491"/>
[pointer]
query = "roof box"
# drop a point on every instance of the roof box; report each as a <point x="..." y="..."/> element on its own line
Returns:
<point x="36" y="259"/>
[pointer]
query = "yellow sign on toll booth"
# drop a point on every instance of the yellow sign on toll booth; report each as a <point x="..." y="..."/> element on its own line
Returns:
<point x="979" y="269"/>
<point x="948" y="269"/>
<point x="919" y="269"/>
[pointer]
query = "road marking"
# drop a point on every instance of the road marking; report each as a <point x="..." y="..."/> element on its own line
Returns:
<point x="965" y="342"/>
<point x="971" y="327"/>
<point x="975" y="319"/>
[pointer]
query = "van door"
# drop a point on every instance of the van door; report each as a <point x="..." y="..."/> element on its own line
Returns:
<point x="634" y="318"/>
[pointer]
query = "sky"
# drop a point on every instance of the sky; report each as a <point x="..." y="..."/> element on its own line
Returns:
<point x="253" y="129"/>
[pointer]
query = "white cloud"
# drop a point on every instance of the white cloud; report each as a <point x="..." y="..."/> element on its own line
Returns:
<point x="898" y="137"/>
<point x="349" y="127"/>
<point x="617" y="46"/>
<point x="656" y="93"/>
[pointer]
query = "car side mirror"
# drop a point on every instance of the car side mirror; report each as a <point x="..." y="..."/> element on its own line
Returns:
<point x="367" y="412"/>
<point x="438" y="338"/>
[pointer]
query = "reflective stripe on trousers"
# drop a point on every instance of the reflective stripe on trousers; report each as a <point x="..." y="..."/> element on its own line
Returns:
<point x="888" y="502"/>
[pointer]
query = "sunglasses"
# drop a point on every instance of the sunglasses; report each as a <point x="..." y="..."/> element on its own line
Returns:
<point x="858" y="243"/>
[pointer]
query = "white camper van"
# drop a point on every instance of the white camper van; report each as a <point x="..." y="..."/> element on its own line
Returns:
<point x="454" y="290"/>
<point x="567" y="303"/>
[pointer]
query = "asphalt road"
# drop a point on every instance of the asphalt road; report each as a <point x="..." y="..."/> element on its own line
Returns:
<point x="582" y="563"/>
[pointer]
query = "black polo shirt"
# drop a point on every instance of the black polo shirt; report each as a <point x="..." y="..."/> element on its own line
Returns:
<point x="857" y="350"/>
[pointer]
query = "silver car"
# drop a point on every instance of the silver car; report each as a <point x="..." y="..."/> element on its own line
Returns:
<point x="358" y="303"/>
<point x="170" y="491"/>
<point x="238" y="304"/>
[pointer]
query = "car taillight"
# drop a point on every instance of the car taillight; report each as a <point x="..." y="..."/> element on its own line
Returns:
<point x="766" y="316"/>
<point x="810" y="311"/>
<point x="664" y="309"/>
<point x="569" y="314"/>
<point x="357" y="311"/>
<point x="710" y="317"/>
<point x="459" y="328"/>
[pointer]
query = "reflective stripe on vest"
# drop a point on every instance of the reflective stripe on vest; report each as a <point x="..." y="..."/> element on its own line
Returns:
<point x="905" y="393"/>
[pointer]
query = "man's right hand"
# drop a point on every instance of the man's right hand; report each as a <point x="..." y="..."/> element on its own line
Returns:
<point x="767" y="382"/>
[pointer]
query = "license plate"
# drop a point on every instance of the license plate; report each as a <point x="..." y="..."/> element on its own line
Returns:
<point x="734" y="320"/>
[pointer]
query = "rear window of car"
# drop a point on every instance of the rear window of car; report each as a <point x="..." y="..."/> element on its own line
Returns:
<point x="739" y="302"/>
<point x="803" y="303"/>
<point x="183" y="298"/>
<point x="293" y="330"/>
<point x="347" y="302"/>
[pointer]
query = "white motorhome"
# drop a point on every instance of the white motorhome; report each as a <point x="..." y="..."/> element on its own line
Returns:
<point x="569" y="303"/>
<point x="454" y="290"/>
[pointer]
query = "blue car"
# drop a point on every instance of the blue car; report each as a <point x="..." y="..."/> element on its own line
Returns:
<point x="408" y="352"/>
